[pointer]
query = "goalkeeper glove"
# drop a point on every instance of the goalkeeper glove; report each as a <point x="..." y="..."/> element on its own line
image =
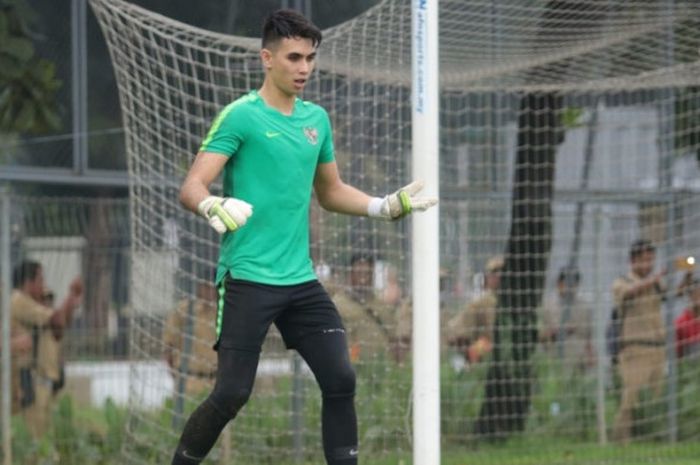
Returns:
<point x="400" y="203"/>
<point x="225" y="213"/>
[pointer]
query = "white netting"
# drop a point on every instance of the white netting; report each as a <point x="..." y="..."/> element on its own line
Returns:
<point x="583" y="112"/>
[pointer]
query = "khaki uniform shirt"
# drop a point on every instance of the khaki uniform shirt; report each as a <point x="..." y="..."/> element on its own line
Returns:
<point x="577" y="329"/>
<point x="15" y="388"/>
<point x="28" y="314"/>
<point x="642" y="318"/>
<point x="371" y="326"/>
<point x="202" y="357"/>
<point x="475" y="321"/>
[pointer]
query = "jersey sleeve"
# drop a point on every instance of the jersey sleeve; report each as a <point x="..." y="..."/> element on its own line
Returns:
<point x="327" y="153"/>
<point x="28" y="312"/>
<point x="619" y="288"/>
<point x="227" y="132"/>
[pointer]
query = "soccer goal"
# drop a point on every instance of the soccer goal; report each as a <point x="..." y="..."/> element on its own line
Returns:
<point x="568" y="130"/>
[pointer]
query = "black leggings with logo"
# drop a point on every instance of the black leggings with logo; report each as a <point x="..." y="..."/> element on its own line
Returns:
<point x="309" y="323"/>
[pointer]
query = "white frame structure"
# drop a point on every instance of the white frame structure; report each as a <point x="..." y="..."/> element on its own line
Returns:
<point x="426" y="237"/>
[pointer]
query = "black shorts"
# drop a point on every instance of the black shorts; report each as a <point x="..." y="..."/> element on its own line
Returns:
<point x="247" y="309"/>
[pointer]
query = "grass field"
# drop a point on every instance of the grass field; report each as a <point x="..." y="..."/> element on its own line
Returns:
<point x="684" y="454"/>
<point x="262" y="434"/>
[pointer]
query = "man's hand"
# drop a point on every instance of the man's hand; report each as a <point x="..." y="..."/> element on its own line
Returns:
<point x="478" y="349"/>
<point x="225" y="213"/>
<point x="21" y="343"/>
<point x="76" y="288"/>
<point x="401" y="203"/>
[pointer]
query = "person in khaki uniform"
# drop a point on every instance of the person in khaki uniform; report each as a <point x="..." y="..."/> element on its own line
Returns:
<point x="40" y="370"/>
<point x="566" y="324"/>
<point x="642" y="356"/>
<point x="471" y="330"/>
<point x="20" y="345"/>
<point x="198" y="368"/>
<point x="371" y="325"/>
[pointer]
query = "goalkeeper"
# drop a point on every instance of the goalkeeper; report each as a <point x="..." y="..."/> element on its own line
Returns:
<point x="273" y="149"/>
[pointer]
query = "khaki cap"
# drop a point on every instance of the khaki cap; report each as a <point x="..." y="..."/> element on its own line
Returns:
<point x="494" y="264"/>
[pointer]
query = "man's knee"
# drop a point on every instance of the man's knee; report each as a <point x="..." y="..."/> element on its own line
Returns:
<point x="341" y="382"/>
<point x="229" y="401"/>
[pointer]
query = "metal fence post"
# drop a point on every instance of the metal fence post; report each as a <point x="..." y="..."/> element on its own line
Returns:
<point x="601" y="317"/>
<point x="297" y="409"/>
<point x="5" y="315"/>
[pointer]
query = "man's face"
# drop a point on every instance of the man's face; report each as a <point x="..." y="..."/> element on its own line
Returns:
<point x="289" y="63"/>
<point x="361" y="275"/>
<point x="492" y="279"/>
<point x="35" y="288"/>
<point x="566" y="290"/>
<point x="643" y="263"/>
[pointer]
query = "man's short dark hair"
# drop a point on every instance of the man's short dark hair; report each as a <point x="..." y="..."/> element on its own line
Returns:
<point x="639" y="247"/>
<point x="361" y="257"/>
<point x="569" y="275"/>
<point x="288" y="24"/>
<point x="27" y="270"/>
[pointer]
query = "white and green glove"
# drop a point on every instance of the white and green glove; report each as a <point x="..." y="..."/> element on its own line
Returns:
<point x="401" y="203"/>
<point x="225" y="213"/>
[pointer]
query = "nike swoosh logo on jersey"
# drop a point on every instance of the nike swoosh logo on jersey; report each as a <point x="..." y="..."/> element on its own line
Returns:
<point x="353" y="452"/>
<point x="272" y="134"/>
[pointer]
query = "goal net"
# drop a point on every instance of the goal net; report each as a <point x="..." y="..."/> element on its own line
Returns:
<point x="569" y="130"/>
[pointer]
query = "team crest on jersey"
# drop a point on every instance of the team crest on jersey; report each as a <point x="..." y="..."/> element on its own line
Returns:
<point x="311" y="135"/>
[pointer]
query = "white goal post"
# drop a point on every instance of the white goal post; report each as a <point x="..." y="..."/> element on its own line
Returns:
<point x="426" y="234"/>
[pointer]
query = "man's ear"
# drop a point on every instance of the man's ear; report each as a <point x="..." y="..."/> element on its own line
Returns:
<point x="266" y="58"/>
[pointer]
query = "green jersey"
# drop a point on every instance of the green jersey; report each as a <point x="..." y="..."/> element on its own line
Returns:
<point x="272" y="163"/>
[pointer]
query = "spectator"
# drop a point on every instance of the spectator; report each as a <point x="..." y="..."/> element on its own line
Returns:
<point x="566" y="323"/>
<point x="471" y="330"/>
<point x="688" y="324"/>
<point x="371" y="324"/>
<point x="39" y="370"/>
<point x="189" y="341"/>
<point x="20" y="345"/>
<point x="642" y="360"/>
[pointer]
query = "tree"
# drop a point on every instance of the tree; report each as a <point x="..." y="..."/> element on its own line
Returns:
<point x="540" y="131"/>
<point x="507" y="399"/>
<point x="28" y="83"/>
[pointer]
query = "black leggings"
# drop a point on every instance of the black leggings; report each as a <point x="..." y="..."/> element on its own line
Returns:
<point x="326" y="354"/>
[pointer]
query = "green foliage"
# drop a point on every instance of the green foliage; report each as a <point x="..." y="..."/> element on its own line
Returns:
<point x="28" y="84"/>
<point x="262" y="434"/>
<point x="77" y="436"/>
<point x="571" y="117"/>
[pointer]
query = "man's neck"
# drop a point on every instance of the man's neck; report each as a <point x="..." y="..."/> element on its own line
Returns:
<point x="26" y="291"/>
<point x="360" y="295"/>
<point x="277" y="99"/>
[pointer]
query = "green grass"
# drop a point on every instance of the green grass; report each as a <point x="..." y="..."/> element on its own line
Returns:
<point x="530" y="454"/>
<point x="262" y="433"/>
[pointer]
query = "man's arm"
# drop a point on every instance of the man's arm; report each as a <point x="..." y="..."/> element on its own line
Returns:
<point x="685" y="283"/>
<point x="655" y="280"/>
<point x="206" y="168"/>
<point x="223" y="214"/>
<point x="20" y="343"/>
<point x="171" y="337"/>
<point x="63" y="316"/>
<point x="336" y="196"/>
